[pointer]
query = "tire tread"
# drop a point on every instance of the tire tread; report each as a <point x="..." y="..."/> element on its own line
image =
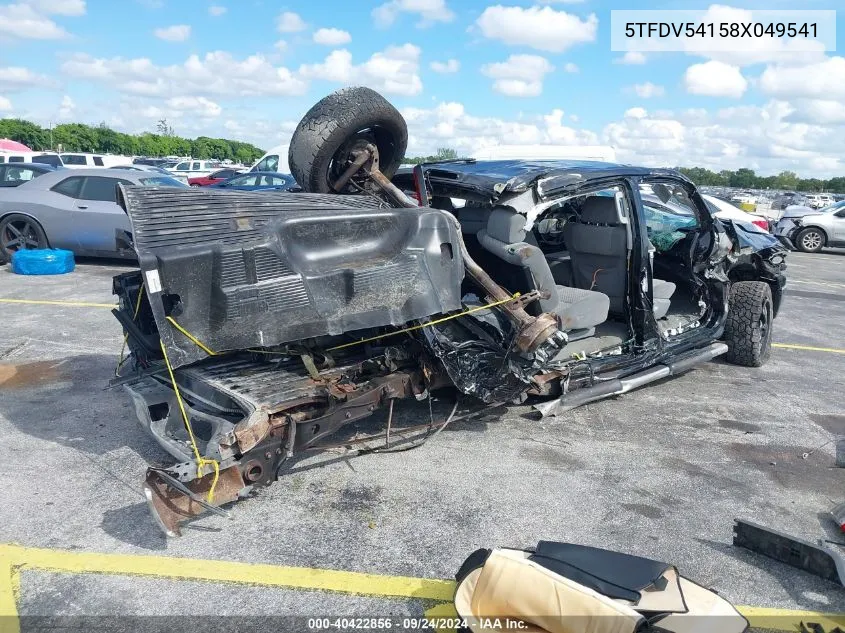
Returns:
<point x="330" y="122"/>
<point x="742" y="332"/>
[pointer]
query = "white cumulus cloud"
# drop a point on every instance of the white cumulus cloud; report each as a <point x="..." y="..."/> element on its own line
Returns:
<point x="59" y="7"/>
<point x="450" y="125"/>
<point x="822" y="80"/>
<point x="175" y="33"/>
<point x="215" y="10"/>
<point x="636" y="113"/>
<point x="67" y="108"/>
<point x="449" y="66"/>
<point x="818" y="111"/>
<point x="392" y="71"/>
<point x="290" y="22"/>
<point x="336" y="67"/>
<point x="519" y="75"/>
<point x="631" y="58"/>
<point x="429" y="12"/>
<point x="5" y="104"/>
<point x="197" y="76"/>
<point x="715" y="79"/>
<point x="22" y="21"/>
<point x="19" y="78"/>
<point x="542" y="28"/>
<point x="332" y="37"/>
<point x="648" y="90"/>
<point x="197" y="106"/>
<point x="763" y="138"/>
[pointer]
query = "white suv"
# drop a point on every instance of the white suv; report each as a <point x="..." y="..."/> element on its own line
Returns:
<point x="820" y="200"/>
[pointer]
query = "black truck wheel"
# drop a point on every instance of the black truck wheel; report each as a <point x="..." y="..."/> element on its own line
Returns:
<point x="346" y="119"/>
<point x="19" y="232"/>
<point x="748" y="331"/>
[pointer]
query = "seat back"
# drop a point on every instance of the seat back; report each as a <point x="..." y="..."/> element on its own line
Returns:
<point x="505" y="237"/>
<point x="598" y="247"/>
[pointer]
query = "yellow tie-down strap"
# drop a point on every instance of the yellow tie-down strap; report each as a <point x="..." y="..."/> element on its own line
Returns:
<point x="202" y="461"/>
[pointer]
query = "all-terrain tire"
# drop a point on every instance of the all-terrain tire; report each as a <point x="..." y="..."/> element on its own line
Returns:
<point x="35" y="237"/>
<point x="748" y="330"/>
<point x="810" y="240"/>
<point x="335" y="120"/>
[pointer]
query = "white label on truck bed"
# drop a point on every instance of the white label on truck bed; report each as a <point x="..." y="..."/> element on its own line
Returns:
<point x="153" y="281"/>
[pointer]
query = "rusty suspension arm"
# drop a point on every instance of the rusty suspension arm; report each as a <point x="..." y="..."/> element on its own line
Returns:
<point x="533" y="331"/>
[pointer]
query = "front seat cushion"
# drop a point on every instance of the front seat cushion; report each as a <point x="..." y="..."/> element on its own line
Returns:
<point x="663" y="289"/>
<point x="580" y="309"/>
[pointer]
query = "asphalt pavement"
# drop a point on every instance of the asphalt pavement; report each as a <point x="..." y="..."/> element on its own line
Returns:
<point x="660" y="472"/>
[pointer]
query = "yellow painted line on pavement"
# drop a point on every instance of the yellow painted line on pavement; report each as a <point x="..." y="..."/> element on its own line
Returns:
<point x="9" y="622"/>
<point x="34" y="558"/>
<point x="810" y="348"/>
<point x="76" y="304"/>
<point x="788" y="620"/>
<point x="15" y="559"/>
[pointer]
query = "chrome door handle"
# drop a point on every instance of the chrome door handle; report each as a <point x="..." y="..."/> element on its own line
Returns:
<point x="82" y="206"/>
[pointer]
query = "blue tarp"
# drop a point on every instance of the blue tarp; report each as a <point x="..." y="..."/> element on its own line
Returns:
<point x="49" y="261"/>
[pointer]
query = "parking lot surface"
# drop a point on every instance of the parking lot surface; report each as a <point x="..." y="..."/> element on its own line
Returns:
<point x="660" y="472"/>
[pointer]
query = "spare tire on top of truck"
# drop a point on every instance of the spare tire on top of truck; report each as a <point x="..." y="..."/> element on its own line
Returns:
<point x="346" y="119"/>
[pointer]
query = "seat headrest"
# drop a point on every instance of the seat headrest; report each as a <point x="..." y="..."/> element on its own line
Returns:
<point x="600" y="210"/>
<point x="506" y="226"/>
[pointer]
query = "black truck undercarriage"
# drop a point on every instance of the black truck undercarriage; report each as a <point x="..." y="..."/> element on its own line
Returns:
<point x="260" y="324"/>
<point x="280" y="319"/>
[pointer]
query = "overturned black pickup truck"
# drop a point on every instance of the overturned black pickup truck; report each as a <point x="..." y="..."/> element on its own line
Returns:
<point x="259" y="324"/>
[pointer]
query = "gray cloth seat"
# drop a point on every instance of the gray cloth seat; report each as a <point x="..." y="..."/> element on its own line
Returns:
<point x="505" y="237"/>
<point x="598" y="248"/>
<point x="663" y="291"/>
<point x="581" y="309"/>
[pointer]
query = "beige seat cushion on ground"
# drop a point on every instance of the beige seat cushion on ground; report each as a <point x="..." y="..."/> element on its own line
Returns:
<point x="511" y="586"/>
<point x="669" y="599"/>
<point x="708" y="612"/>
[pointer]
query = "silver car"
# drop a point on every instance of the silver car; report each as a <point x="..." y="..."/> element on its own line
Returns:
<point x="71" y="209"/>
<point x="810" y="232"/>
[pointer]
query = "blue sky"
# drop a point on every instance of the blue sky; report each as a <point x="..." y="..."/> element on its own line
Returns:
<point x="466" y="73"/>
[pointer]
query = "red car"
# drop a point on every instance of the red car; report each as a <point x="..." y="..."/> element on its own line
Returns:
<point x="213" y="178"/>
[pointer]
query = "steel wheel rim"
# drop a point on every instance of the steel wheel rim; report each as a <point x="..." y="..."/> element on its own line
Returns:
<point x="811" y="240"/>
<point x="19" y="235"/>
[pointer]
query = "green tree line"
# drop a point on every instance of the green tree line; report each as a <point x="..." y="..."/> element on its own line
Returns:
<point x="78" y="137"/>
<point x="746" y="179"/>
<point x="443" y="153"/>
<point x="742" y="178"/>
